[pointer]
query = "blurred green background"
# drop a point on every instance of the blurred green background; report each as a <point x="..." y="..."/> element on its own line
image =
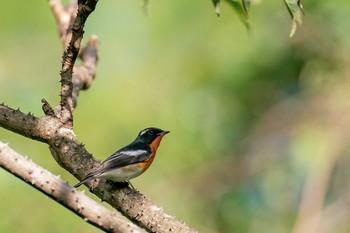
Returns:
<point x="259" y="121"/>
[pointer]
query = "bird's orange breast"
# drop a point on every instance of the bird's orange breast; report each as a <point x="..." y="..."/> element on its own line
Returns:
<point x="154" y="146"/>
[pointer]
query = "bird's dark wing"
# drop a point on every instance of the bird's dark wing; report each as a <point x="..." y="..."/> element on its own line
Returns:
<point x="124" y="157"/>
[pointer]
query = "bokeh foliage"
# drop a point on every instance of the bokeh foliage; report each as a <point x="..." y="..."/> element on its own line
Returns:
<point x="259" y="121"/>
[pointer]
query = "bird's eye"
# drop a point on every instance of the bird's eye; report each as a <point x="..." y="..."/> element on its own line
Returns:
<point x="151" y="132"/>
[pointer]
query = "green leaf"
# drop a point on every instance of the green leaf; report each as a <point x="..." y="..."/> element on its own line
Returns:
<point x="216" y="6"/>
<point x="296" y="11"/>
<point x="246" y="6"/>
<point x="242" y="10"/>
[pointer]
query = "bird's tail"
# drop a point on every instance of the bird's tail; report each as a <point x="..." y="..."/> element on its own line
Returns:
<point x="83" y="181"/>
<point x="92" y="175"/>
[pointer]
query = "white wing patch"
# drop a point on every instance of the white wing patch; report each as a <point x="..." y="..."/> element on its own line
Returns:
<point x="135" y="152"/>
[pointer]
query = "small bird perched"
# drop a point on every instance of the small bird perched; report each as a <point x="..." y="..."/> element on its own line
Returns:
<point x="131" y="160"/>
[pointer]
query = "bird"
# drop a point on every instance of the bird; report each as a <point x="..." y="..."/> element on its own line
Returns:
<point x="131" y="160"/>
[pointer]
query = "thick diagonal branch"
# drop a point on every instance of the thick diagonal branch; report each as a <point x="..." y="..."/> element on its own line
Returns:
<point x="55" y="188"/>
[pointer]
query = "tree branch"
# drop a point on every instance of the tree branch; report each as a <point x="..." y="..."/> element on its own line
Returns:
<point x="85" y="8"/>
<point x="25" y="124"/>
<point x="84" y="74"/>
<point x="64" y="17"/>
<point x="55" y="188"/>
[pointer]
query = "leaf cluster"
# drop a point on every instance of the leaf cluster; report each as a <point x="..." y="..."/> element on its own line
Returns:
<point x="242" y="8"/>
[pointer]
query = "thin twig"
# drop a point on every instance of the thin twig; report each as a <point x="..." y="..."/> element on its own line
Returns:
<point x="84" y="74"/>
<point x="70" y="21"/>
<point x="64" y="16"/>
<point x="85" y="8"/>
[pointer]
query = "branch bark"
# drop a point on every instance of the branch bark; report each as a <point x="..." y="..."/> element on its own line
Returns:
<point x="55" y="188"/>
<point x="75" y="36"/>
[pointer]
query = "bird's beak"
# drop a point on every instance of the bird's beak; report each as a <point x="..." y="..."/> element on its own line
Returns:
<point x="164" y="132"/>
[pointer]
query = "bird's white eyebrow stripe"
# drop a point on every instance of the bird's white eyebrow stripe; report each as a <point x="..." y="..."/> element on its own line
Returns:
<point x="143" y="132"/>
<point x="135" y="152"/>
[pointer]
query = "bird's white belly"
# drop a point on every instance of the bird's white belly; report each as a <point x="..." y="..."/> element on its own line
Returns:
<point x="123" y="173"/>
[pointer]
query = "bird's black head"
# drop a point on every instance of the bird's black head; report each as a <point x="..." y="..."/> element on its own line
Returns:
<point x="150" y="134"/>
